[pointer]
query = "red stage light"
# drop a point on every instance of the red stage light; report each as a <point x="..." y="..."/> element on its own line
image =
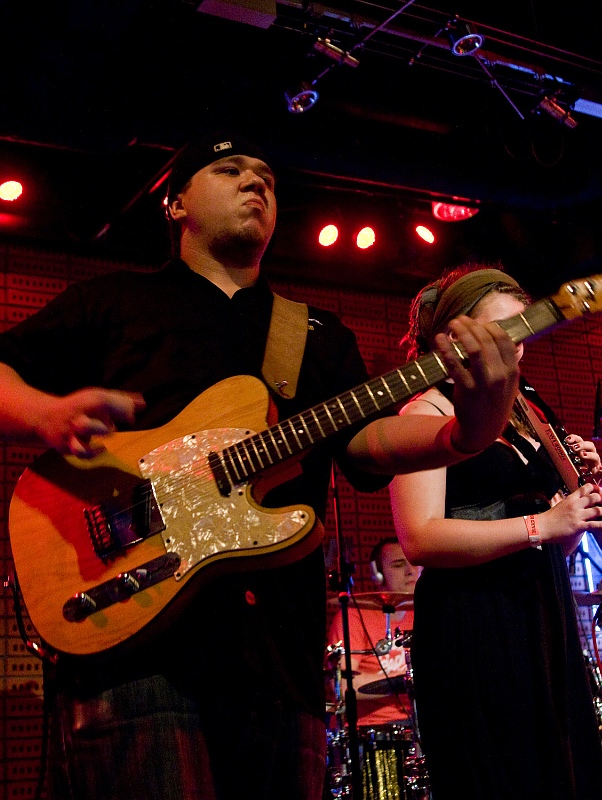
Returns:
<point x="328" y="235"/>
<point x="365" y="238"/>
<point x="425" y="234"/>
<point x="10" y="190"/>
<point x="449" y="212"/>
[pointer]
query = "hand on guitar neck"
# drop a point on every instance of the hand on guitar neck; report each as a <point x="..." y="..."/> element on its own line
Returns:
<point x="483" y="394"/>
<point x="588" y="455"/>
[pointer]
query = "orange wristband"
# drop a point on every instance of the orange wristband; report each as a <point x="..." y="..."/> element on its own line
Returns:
<point x="532" y="530"/>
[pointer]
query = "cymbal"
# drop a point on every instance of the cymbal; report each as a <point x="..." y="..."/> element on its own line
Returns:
<point x="588" y="598"/>
<point x="387" y="602"/>
<point x="384" y="686"/>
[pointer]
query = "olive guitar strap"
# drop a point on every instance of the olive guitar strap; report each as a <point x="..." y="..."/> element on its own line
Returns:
<point x="285" y="346"/>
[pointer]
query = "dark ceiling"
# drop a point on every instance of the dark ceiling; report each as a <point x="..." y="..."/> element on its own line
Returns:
<point x="97" y="97"/>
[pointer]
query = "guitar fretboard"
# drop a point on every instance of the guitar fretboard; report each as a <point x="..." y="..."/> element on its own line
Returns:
<point x="241" y="461"/>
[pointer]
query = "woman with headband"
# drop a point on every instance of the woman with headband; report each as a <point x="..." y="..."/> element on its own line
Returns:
<point x="504" y="708"/>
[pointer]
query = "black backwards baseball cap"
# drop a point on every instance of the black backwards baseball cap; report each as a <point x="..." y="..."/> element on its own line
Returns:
<point x="203" y="151"/>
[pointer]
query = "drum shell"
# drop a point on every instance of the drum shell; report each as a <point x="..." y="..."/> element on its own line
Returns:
<point x="392" y="764"/>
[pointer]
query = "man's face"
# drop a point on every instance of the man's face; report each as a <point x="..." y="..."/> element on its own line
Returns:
<point x="230" y="203"/>
<point x="399" y="575"/>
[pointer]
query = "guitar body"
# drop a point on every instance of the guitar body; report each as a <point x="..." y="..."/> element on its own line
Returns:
<point x="190" y="529"/>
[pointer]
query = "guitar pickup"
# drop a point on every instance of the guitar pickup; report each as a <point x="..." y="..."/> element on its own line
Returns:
<point x="219" y="475"/>
<point x="124" y="521"/>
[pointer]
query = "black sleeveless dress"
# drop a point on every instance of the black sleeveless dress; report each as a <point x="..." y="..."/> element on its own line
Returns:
<point x="504" y="704"/>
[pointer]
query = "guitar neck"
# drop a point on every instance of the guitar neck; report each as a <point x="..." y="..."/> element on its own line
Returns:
<point x="534" y="319"/>
<point x="292" y="436"/>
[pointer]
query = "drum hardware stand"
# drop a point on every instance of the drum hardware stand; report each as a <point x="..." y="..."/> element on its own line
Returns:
<point x="416" y="780"/>
<point x="341" y="583"/>
<point x="383" y="647"/>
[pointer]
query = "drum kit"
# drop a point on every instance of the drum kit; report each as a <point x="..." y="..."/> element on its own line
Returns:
<point x="390" y="758"/>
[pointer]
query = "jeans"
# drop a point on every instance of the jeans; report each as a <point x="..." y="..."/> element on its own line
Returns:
<point x="147" y="740"/>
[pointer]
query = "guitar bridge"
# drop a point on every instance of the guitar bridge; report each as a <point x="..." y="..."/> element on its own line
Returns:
<point x="124" y="521"/>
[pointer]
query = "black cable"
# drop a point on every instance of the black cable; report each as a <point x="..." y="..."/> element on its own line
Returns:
<point x="43" y="747"/>
<point x="38" y="650"/>
<point x="44" y="654"/>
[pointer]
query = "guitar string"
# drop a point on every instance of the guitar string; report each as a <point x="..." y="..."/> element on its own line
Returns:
<point x="428" y="372"/>
<point x="181" y="478"/>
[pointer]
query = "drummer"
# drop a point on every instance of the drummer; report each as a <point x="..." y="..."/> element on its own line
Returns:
<point x="380" y="687"/>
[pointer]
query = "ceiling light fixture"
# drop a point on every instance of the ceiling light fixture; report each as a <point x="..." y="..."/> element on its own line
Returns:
<point x="425" y="233"/>
<point x="365" y="238"/>
<point x="465" y="41"/>
<point x="328" y="235"/>
<point x="554" y="110"/>
<point x="301" y="99"/>
<point x="307" y="97"/>
<point x="10" y="190"/>
<point x="327" y="48"/>
<point x="450" y="212"/>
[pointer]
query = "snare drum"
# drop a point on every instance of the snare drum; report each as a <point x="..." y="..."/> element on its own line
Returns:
<point x="392" y="765"/>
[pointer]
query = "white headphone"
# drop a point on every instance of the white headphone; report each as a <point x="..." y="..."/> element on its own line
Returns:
<point x="375" y="573"/>
<point x="375" y="569"/>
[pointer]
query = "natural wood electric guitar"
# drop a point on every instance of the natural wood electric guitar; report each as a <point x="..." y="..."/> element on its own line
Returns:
<point x="103" y="547"/>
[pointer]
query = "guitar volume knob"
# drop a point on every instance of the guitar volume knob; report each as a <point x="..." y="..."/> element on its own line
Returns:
<point x="78" y="607"/>
<point x="128" y="582"/>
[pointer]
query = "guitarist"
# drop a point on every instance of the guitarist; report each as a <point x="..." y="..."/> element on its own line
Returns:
<point x="228" y="703"/>
<point x="504" y="706"/>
